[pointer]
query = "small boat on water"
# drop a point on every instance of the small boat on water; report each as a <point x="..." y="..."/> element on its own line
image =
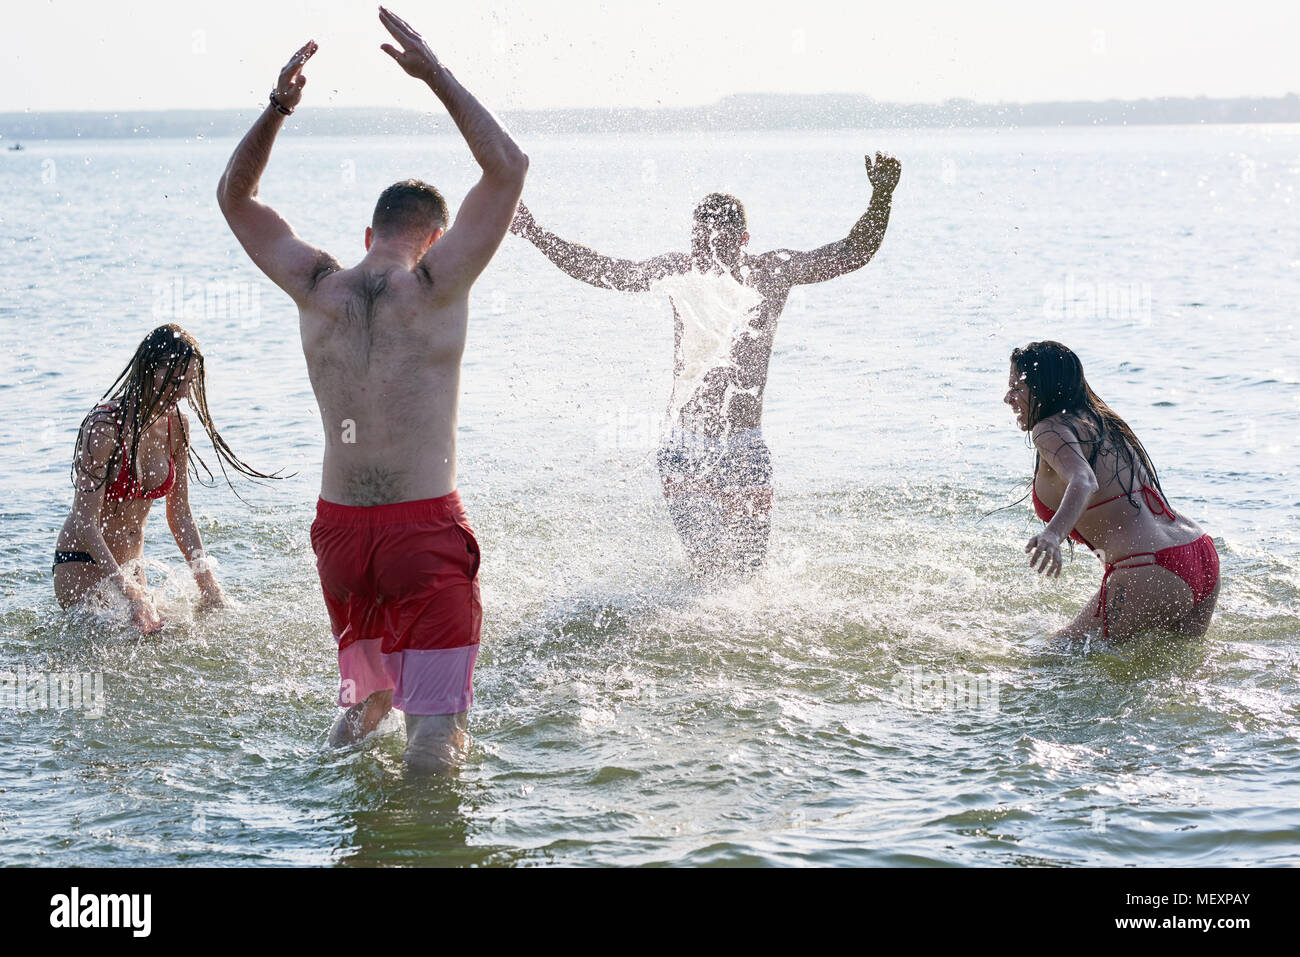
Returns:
<point x="17" y="146"/>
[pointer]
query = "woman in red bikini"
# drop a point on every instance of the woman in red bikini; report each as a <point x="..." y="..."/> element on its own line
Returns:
<point x="1094" y="481"/>
<point x="125" y="459"/>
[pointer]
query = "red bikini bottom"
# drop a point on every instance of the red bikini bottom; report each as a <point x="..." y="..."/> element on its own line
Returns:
<point x="1196" y="563"/>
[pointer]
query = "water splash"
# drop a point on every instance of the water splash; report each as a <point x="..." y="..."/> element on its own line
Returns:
<point x="713" y="311"/>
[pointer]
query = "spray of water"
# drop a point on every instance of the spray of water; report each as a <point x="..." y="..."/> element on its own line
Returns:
<point x="712" y="310"/>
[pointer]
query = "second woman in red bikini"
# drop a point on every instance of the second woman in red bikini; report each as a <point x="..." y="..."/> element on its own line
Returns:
<point x="1094" y="482"/>
<point x="126" y="458"/>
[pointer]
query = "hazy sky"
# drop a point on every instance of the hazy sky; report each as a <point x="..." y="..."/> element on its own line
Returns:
<point x="154" y="54"/>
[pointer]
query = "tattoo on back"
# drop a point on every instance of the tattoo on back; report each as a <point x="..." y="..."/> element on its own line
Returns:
<point x="1114" y="603"/>
<point x="374" y="486"/>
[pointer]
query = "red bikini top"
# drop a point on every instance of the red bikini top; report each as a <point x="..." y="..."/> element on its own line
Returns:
<point x="127" y="487"/>
<point x="1148" y="494"/>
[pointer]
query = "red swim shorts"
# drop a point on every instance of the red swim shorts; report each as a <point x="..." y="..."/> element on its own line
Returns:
<point x="401" y="588"/>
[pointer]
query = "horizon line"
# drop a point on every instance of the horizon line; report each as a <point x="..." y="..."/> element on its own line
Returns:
<point x="865" y="97"/>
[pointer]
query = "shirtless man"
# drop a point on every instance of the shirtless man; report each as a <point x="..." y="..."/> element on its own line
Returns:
<point x="397" y="559"/>
<point x="715" y="468"/>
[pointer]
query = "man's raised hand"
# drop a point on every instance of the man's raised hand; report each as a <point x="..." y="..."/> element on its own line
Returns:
<point x="415" y="57"/>
<point x="884" y="172"/>
<point x="288" y="91"/>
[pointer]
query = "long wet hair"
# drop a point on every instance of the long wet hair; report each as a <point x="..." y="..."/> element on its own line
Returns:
<point x="141" y="399"/>
<point x="1056" y="383"/>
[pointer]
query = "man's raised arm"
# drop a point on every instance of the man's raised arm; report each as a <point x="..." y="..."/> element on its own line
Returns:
<point x="583" y="262"/>
<point x="292" y="264"/>
<point x="457" y="258"/>
<point x="856" y="249"/>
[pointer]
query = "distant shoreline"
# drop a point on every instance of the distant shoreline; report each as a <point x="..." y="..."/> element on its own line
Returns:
<point x="740" y="113"/>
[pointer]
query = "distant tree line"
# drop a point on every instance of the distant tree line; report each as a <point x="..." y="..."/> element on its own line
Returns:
<point x="733" y="113"/>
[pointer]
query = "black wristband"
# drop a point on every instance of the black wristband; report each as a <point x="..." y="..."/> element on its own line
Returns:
<point x="280" y="106"/>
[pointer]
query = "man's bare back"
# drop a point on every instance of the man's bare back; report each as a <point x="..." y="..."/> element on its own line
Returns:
<point x="383" y="353"/>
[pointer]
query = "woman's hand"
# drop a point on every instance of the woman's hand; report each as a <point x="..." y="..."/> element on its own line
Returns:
<point x="1044" y="551"/>
<point x="144" y="616"/>
<point x="211" y="598"/>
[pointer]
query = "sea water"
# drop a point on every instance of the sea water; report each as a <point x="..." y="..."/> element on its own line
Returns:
<point x="884" y="693"/>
